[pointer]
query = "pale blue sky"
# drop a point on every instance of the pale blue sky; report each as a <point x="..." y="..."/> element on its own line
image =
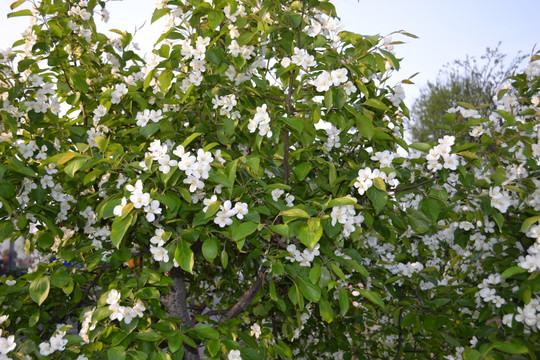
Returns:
<point x="447" y="30"/>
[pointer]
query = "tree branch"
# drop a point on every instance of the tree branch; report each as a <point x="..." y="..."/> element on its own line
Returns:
<point x="413" y="186"/>
<point x="245" y="300"/>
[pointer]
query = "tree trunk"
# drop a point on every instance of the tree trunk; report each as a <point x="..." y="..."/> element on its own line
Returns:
<point x="176" y="304"/>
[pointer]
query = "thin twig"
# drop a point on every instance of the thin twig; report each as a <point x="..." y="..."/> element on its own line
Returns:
<point x="414" y="186"/>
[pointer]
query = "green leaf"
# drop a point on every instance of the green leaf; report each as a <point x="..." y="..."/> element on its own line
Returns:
<point x="343" y="302"/>
<point x="338" y="272"/>
<point x="6" y="229"/>
<point x="24" y="12"/>
<point x="281" y="229"/>
<point x="244" y="230"/>
<point x="184" y="256"/>
<point x="431" y="208"/>
<point x="302" y="170"/>
<point x="165" y="80"/>
<point x="80" y="83"/>
<point x="424" y="147"/>
<point x="116" y="353"/>
<point x="310" y="291"/>
<point x="119" y="228"/>
<point x="373" y="297"/>
<point x="292" y="214"/>
<point x="16" y="4"/>
<point x="45" y="240"/>
<point x="315" y="274"/>
<point x="74" y="165"/>
<point x="224" y="258"/>
<point x="390" y="57"/>
<point x="326" y="311"/>
<point x="419" y="222"/>
<point x="215" y="55"/>
<point x="147" y="293"/>
<point x="206" y="332"/>
<point x="511" y="348"/>
<point x="149" y="336"/>
<point x="512" y="271"/>
<point x="345" y="200"/>
<point x="39" y="289"/>
<point x="60" y="278"/>
<point x="378" y="198"/>
<point x="159" y="13"/>
<point x="149" y="129"/>
<point x="328" y="99"/>
<point x="213" y="346"/>
<point x="215" y="18"/>
<point x="365" y="126"/>
<point x="245" y="38"/>
<point x="210" y="248"/>
<point x="529" y="222"/>
<point x="375" y="103"/>
<point x="311" y="233"/>
<point x="190" y="138"/>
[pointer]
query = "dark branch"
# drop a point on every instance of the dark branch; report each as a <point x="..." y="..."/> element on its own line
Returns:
<point x="245" y="300"/>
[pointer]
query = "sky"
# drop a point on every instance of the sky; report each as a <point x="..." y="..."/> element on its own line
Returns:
<point x="446" y="30"/>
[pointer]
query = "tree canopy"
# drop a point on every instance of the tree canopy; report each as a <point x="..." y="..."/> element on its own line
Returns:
<point x="244" y="191"/>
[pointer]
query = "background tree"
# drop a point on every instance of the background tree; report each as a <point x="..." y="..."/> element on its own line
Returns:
<point x="473" y="81"/>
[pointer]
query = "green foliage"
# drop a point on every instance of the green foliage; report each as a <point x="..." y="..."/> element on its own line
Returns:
<point x="240" y="193"/>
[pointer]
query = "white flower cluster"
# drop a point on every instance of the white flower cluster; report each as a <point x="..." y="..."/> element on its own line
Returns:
<point x="156" y="249"/>
<point x="346" y="216"/>
<point x="466" y="113"/>
<point x="304" y="258"/>
<point x="119" y="91"/>
<point x="398" y="96"/>
<point x="120" y="312"/>
<point x="488" y="294"/>
<point x="196" y="168"/>
<point x="226" y="104"/>
<point x="240" y="11"/>
<point x="255" y="330"/>
<point x="197" y="64"/>
<point x="327" y="79"/>
<point x="40" y="103"/>
<point x="501" y="199"/>
<point x="529" y="315"/>
<point x="261" y="121"/>
<point x="365" y="178"/>
<point x="234" y="355"/>
<point x="80" y="11"/>
<point x="384" y="158"/>
<point x="442" y="151"/>
<point x="227" y="211"/>
<point x="321" y="24"/>
<point x="245" y="50"/>
<point x="98" y="129"/>
<point x="300" y="58"/>
<point x="7" y="344"/>
<point x="56" y="343"/>
<point x="289" y="198"/>
<point x="97" y="235"/>
<point x="333" y="140"/>
<point x="531" y="262"/>
<point x="143" y="117"/>
<point x="140" y="199"/>
<point x="158" y="152"/>
<point x="87" y="325"/>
